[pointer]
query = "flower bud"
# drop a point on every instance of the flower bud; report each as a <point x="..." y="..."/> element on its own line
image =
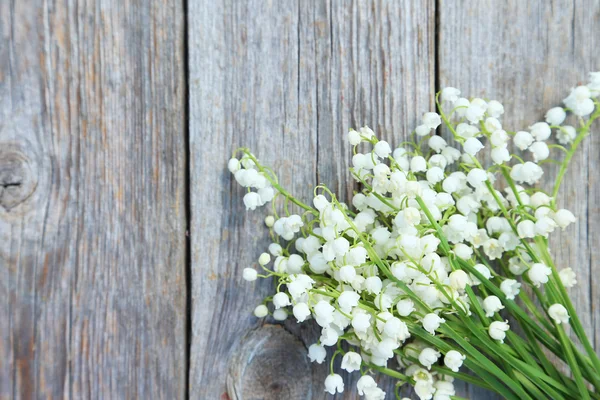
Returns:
<point x="294" y="264"/>
<point x="428" y="357"/>
<point x="499" y="138"/>
<point x="424" y="389"/>
<point x="544" y="226"/>
<point x="382" y="149"/>
<point x="566" y="134"/>
<point x="354" y="137"/>
<point x="323" y="313"/>
<point x="497" y="330"/>
<point x="564" y="218"/>
<point x="261" y="311"/>
<point x="351" y="361"/>
<point x="348" y="300"/>
<point x="558" y="313"/>
<point x="396" y="329"/>
<point x="451" y="154"/>
<point x="431" y="120"/>
<point x="510" y="288"/>
<point x="422" y="130"/>
<point x="556" y="116"/>
<point x="301" y="311"/>
<point x="434" y="174"/>
<point x="252" y="200"/>
<point x="281" y="299"/>
<point x="491" y="305"/>
<point x="320" y="202"/>
<point x="463" y="251"/>
<point x="264" y="259"/>
<point x="567" y="277"/>
<point x="495" y="108"/>
<point x="316" y="353"/>
<point x="459" y="279"/>
<point x="280" y="315"/>
<point x="450" y="94"/>
<point x="329" y="336"/>
<point x="269" y="221"/>
<point x="233" y="165"/>
<point x="405" y="307"/>
<point x="275" y="249"/>
<point x="466" y="131"/>
<point x="579" y="101"/>
<point x="365" y="384"/>
<point x="461" y="106"/>
<point x="347" y="273"/>
<point x="476" y="177"/>
<point x="492" y="124"/>
<point x="361" y="322"/>
<point x="431" y="322"/>
<point x="454" y="360"/>
<point x="540" y="151"/>
<point x="373" y="284"/>
<point x="540" y="131"/>
<point x="437" y="143"/>
<point x="538" y="274"/>
<point x="476" y="110"/>
<point x="526" y="229"/>
<point x="500" y="155"/>
<point x="249" y="274"/>
<point x="523" y="140"/>
<point x="528" y="172"/>
<point x="483" y="270"/>
<point x="472" y="146"/>
<point x="418" y="164"/>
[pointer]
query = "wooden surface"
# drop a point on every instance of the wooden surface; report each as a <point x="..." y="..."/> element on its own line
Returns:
<point x="286" y="79"/>
<point x="96" y="151"/>
<point x="530" y="64"/>
<point x="92" y="207"/>
<point x="269" y="363"/>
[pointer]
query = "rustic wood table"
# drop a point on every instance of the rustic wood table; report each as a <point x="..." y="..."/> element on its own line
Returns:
<point x="122" y="235"/>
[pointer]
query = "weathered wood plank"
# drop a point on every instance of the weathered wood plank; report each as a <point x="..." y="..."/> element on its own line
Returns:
<point x="245" y="89"/>
<point x="375" y="67"/>
<point x="528" y="55"/>
<point x="287" y="79"/>
<point x="92" y="205"/>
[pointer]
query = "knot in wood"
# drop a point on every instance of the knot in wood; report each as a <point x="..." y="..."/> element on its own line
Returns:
<point x="269" y="363"/>
<point x="17" y="178"/>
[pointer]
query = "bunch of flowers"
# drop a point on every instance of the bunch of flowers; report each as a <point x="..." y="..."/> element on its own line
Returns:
<point x="420" y="275"/>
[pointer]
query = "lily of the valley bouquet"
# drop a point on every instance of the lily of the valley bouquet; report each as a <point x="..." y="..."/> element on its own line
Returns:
<point x="438" y="252"/>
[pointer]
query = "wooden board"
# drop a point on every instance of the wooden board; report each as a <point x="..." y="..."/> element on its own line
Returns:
<point x="286" y="79"/>
<point x="92" y="200"/>
<point x="528" y="55"/>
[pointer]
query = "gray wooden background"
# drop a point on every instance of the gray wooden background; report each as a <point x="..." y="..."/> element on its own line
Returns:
<point x="122" y="235"/>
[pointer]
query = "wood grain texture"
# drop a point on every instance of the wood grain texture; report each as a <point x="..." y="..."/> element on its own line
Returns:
<point x="528" y="55"/>
<point x="92" y="200"/>
<point x="286" y="79"/>
<point x="269" y="363"/>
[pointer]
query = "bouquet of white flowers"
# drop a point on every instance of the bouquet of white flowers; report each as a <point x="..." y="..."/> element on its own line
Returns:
<point x="421" y="274"/>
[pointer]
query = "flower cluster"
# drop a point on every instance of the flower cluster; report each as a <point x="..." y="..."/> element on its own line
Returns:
<point x="436" y="248"/>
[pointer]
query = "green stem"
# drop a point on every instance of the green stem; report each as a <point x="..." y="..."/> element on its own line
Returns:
<point x="391" y="372"/>
<point x="585" y="131"/>
<point x="573" y="363"/>
<point x="576" y="323"/>
<point x="278" y="187"/>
